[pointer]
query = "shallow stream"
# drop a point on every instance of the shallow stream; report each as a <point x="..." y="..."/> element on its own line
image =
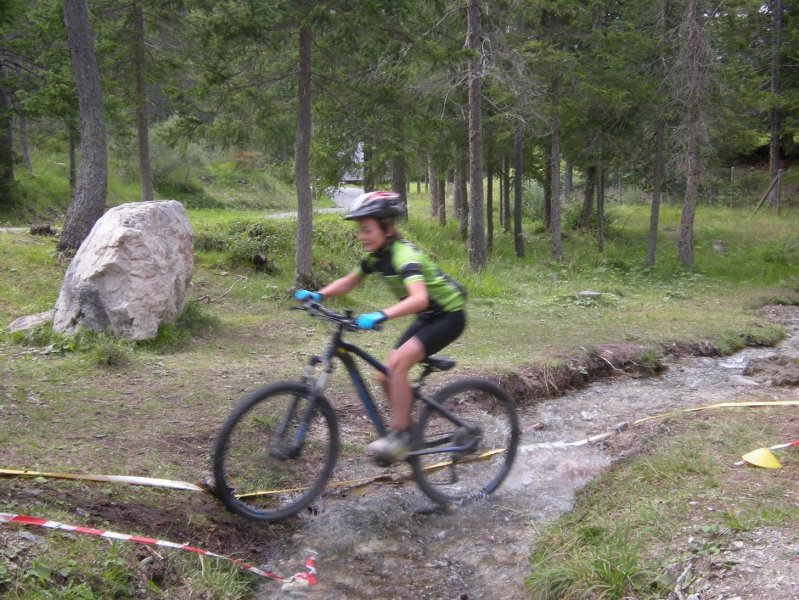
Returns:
<point x="390" y="541"/>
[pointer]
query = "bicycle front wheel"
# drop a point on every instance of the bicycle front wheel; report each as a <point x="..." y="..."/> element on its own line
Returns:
<point x="475" y="455"/>
<point x="274" y="453"/>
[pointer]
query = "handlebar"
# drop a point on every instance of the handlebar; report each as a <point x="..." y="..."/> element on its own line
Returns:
<point x="345" y="321"/>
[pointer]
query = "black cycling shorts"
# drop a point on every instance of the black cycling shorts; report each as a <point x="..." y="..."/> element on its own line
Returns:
<point x="437" y="332"/>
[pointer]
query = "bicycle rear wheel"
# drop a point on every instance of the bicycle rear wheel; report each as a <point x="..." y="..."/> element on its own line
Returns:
<point x="488" y="440"/>
<point x="271" y="457"/>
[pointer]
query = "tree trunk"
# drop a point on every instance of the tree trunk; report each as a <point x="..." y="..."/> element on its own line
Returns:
<point x="505" y="195"/>
<point x="432" y="176"/>
<point x="459" y="202"/>
<point x="463" y="197"/>
<point x="600" y="204"/>
<point x="441" y="187"/>
<point x="660" y="130"/>
<point x="546" y="208"/>
<point x="489" y="207"/>
<point x="457" y="182"/>
<point x="568" y="179"/>
<point x="6" y="141"/>
<point x="518" y="240"/>
<point x="477" y="240"/>
<point x="501" y="192"/>
<point x="142" y="121"/>
<point x="693" y="127"/>
<point x="588" y="197"/>
<point x="24" y="146"/>
<point x="74" y="139"/>
<point x="774" y="113"/>
<point x="90" y="191"/>
<point x="398" y="183"/>
<point x="368" y="171"/>
<point x="554" y="169"/>
<point x="303" y="271"/>
<point x="22" y="123"/>
<point x="657" y="184"/>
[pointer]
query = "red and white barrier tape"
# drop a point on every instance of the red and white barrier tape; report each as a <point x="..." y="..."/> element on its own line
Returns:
<point x="296" y="581"/>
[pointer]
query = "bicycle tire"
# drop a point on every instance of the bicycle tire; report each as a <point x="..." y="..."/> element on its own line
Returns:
<point x="449" y="477"/>
<point x="249" y="478"/>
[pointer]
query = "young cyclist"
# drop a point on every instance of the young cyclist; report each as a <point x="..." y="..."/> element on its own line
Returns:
<point x="422" y="290"/>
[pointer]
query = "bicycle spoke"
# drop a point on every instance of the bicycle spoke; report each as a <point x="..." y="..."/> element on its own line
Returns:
<point x="473" y="460"/>
<point x="264" y="475"/>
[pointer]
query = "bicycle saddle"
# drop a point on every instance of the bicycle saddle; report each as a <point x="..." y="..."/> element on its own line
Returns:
<point x="439" y="363"/>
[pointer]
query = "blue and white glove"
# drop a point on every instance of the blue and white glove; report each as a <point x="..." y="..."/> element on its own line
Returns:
<point x="370" y="320"/>
<point x="303" y="295"/>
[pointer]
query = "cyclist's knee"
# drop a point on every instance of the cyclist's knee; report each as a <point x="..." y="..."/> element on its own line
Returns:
<point x="400" y="364"/>
<point x="407" y="355"/>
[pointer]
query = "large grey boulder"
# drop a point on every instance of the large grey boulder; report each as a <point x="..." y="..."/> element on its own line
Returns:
<point x="130" y="274"/>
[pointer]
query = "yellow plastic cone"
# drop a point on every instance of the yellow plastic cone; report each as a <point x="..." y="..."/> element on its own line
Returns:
<point x="762" y="457"/>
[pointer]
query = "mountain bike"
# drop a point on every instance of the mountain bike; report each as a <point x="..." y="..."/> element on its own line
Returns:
<point x="277" y="449"/>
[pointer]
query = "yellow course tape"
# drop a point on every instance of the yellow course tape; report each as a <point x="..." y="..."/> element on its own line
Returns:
<point x="355" y="483"/>
<point x="183" y="485"/>
<point x="626" y="424"/>
<point x="148" y="481"/>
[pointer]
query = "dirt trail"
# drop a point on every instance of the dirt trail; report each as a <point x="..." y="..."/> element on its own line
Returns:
<point x="389" y="541"/>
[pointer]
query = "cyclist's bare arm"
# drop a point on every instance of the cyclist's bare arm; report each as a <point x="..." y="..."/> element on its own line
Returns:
<point x="416" y="301"/>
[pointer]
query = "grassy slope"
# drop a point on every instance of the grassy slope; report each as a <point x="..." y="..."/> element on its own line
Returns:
<point x="678" y="500"/>
<point x="520" y="311"/>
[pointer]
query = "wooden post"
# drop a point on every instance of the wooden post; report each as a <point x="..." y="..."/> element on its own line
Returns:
<point x="768" y="191"/>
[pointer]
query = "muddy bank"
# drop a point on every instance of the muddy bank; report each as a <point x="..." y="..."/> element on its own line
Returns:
<point x="569" y="372"/>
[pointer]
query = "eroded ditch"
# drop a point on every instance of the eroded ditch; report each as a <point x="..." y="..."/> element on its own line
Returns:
<point x="389" y="541"/>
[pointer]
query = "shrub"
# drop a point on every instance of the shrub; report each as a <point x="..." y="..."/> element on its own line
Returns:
<point x="573" y="212"/>
<point x="247" y="243"/>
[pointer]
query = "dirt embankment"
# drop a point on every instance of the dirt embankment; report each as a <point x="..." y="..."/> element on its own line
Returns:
<point x="571" y="371"/>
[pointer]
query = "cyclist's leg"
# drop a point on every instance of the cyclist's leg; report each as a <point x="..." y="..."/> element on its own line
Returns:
<point x="423" y="338"/>
<point x="405" y="337"/>
<point x="420" y="340"/>
<point x="398" y="389"/>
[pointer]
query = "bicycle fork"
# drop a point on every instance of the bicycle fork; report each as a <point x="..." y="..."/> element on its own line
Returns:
<point x="283" y="448"/>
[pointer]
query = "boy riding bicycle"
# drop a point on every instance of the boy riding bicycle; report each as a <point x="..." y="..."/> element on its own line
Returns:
<point x="422" y="290"/>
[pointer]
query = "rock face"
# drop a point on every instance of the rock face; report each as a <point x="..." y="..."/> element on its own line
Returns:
<point x="131" y="273"/>
<point x="31" y="321"/>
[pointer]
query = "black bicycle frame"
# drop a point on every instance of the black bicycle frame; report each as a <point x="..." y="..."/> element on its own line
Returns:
<point x="338" y="348"/>
<point x="342" y="350"/>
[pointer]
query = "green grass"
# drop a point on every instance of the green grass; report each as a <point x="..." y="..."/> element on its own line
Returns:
<point x="198" y="180"/>
<point x="628" y="527"/>
<point x="135" y="404"/>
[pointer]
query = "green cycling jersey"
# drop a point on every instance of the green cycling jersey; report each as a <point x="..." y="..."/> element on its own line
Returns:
<point x="401" y="264"/>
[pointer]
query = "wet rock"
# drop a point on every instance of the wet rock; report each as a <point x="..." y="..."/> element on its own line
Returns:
<point x="778" y="370"/>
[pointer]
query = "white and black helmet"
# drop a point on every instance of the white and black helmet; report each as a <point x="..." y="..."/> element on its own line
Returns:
<point x="375" y="205"/>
